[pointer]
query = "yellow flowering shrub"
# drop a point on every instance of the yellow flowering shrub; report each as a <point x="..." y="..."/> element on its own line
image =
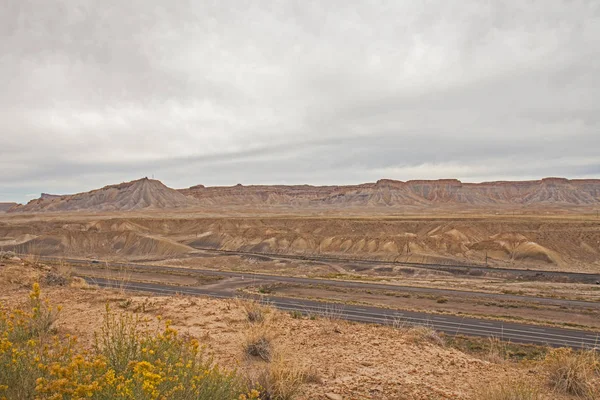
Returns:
<point x="126" y="361"/>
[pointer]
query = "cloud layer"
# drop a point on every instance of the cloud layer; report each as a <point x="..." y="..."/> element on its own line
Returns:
<point x="221" y="92"/>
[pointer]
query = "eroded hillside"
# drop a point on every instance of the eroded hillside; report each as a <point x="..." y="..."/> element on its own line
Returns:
<point x="411" y="194"/>
<point x="555" y="194"/>
<point x="6" y="206"/>
<point x="135" y="195"/>
<point x="520" y="242"/>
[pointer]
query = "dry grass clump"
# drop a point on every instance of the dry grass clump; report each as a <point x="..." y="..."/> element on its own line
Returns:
<point x="281" y="380"/>
<point x="258" y="342"/>
<point x="421" y="334"/>
<point x="282" y="377"/>
<point x="126" y="362"/>
<point x="574" y="372"/>
<point x="255" y="311"/>
<point x="277" y="376"/>
<point x="496" y="351"/>
<point x="510" y="391"/>
<point x="417" y="333"/>
<point x="79" y="283"/>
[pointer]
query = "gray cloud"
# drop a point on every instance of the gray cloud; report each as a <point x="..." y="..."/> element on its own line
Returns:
<point x="221" y="92"/>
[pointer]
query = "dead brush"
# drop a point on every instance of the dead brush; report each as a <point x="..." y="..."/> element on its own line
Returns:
<point x="282" y="378"/>
<point x="258" y="342"/>
<point x="416" y="333"/>
<point x="255" y="311"/>
<point x="423" y="333"/>
<point x="79" y="283"/>
<point x="519" y="390"/>
<point x="574" y="372"/>
<point x="497" y="352"/>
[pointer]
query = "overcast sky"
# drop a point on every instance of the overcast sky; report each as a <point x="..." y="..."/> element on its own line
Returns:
<point x="320" y="92"/>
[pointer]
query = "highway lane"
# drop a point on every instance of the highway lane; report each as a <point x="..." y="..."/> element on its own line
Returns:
<point x="464" y="269"/>
<point x="450" y="325"/>
<point x="340" y="283"/>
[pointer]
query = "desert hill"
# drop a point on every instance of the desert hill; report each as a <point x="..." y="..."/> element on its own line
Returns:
<point x="6" y="206"/>
<point x="571" y="244"/>
<point x="418" y="193"/>
<point x="135" y="195"/>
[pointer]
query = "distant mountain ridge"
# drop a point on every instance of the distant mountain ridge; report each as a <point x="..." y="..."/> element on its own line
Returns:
<point x="135" y="195"/>
<point x="417" y="193"/>
<point x="152" y="194"/>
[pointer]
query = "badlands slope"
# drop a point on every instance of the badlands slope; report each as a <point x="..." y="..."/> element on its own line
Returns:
<point x="414" y="194"/>
<point x="135" y="195"/>
<point x="451" y="194"/>
<point x="568" y="244"/>
<point x="448" y="226"/>
<point x="6" y="206"/>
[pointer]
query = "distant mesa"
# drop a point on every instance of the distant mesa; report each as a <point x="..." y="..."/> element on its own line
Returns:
<point x="415" y="194"/>
<point x="47" y="196"/>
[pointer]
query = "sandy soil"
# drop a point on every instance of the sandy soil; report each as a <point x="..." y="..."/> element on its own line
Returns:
<point x="355" y="361"/>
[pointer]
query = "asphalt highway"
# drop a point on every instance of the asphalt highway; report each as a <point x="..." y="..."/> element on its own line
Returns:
<point x="338" y="283"/>
<point x="450" y="325"/>
<point x="460" y="269"/>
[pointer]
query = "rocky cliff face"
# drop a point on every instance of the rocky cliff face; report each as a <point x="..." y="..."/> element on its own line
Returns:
<point x="386" y="192"/>
<point x="151" y="194"/>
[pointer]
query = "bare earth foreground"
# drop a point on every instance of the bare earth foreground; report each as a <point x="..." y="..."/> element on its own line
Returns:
<point x="349" y="361"/>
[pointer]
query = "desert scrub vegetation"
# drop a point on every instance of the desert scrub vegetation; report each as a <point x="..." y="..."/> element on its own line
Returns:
<point x="496" y="351"/>
<point x="574" y="372"/>
<point x="270" y="368"/>
<point x="126" y="362"/>
<point x="510" y="391"/>
<point x="258" y="342"/>
<point x="281" y="379"/>
<point x="418" y="334"/>
<point x="254" y="310"/>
